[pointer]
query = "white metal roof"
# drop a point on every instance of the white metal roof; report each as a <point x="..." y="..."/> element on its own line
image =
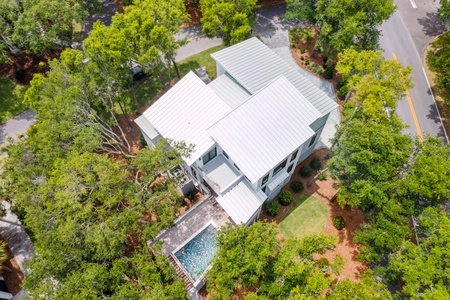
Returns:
<point x="254" y="65"/>
<point x="231" y="92"/>
<point x="146" y="127"/>
<point x="185" y="112"/>
<point x="266" y="128"/>
<point x="241" y="202"/>
<point x="278" y="180"/>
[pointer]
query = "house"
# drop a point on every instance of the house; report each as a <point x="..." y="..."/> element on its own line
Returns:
<point x="250" y="126"/>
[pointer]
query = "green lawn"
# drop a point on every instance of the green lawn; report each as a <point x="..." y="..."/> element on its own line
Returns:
<point x="11" y="99"/>
<point x="307" y="216"/>
<point x="199" y="60"/>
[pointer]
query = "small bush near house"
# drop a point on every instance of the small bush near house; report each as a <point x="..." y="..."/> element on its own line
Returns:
<point x="306" y="62"/>
<point x="302" y="57"/>
<point x="142" y="139"/>
<point x="305" y="171"/>
<point x="323" y="262"/>
<point x="302" y="50"/>
<point x="297" y="186"/>
<point x="322" y="176"/>
<point x="272" y="208"/>
<point x="342" y="88"/>
<point x="328" y="73"/>
<point x="315" y="164"/>
<point x="338" y="222"/>
<point x="315" y="68"/>
<point x="285" y="197"/>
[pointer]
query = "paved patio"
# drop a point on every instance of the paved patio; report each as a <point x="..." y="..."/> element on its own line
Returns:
<point x="191" y="222"/>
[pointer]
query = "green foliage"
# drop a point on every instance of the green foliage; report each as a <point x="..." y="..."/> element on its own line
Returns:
<point x="315" y="68"/>
<point x="322" y="176"/>
<point x="285" y="197"/>
<point x="231" y="20"/>
<point x="338" y="264"/>
<point x="199" y="60"/>
<point x="444" y="11"/>
<point x="297" y="186"/>
<point x="294" y="268"/>
<point x="349" y="108"/>
<point x="338" y="222"/>
<point x="343" y="24"/>
<point x="328" y="73"/>
<point x="423" y="269"/>
<point x="305" y="171"/>
<point x="368" y="288"/>
<point x="323" y="262"/>
<point x="11" y="99"/>
<point x="40" y="26"/>
<point x="242" y="258"/>
<point x="272" y="208"/>
<point x="342" y="88"/>
<point x="315" y="164"/>
<point x="301" y="34"/>
<point x="438" y="57"/>
<point x="307" y="62"/>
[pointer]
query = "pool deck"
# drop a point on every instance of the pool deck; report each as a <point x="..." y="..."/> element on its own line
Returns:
<point x="191" y="222"/>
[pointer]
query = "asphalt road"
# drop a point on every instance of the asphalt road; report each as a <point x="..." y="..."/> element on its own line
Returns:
<point x="397" y="39"/>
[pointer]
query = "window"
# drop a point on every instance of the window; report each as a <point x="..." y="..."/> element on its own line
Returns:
<point x="279" y="167"/>
<point x="210" y="155"/>
<point x="265" y="179"/>
<point x="294" y="155"/>
<point x="290" y="168"/>
<point x="236" y="167"/>
<point x="225" y="154"/>
<point x="264" y="189"/>
<point x="313" y="139"/>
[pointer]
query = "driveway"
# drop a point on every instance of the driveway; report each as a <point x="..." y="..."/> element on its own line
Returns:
<point x="17" y="125"/>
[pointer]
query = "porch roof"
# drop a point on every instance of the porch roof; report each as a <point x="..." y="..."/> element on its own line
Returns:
<point x="221" y="172"/>
<point x="241" y="202"/>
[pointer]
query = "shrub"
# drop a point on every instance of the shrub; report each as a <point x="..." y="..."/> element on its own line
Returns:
<point x="307" y="62"/>
<point x="338" y="222"/>
<point x="297" y="186"/>
<point x="302" y="50"/>
<point x="322" y="176"/>
<point x="315" y="68"/>
<point x="272" y="208"/>
<point x="305" y="171"/>
<point x="315" y="163"/>
<point x="285" y="197"/>
<point x="338" y="264"/>
<point x="302" y="57"/>
<point x="348" y="109"/>
<point x="328" y="73"/>
<point x="342" y="88"/>
<point x="143" y="141"/>
<point x="19" y="75"/>
<point x="41" y="64"/>
<point x="323" y="262"/>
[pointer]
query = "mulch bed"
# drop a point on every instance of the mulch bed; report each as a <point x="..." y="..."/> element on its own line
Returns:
<point x="13" y="278"/>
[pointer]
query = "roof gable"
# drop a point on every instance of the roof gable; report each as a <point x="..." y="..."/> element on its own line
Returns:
<point x="185" y="112"/>
<point x="265" y="129"/>
<point x="254" y="65"/>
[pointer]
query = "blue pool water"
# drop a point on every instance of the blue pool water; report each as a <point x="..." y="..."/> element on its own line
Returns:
<point x="197" y="255"/>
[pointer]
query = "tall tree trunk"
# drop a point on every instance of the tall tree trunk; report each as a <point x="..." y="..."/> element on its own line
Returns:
<point x="176" y="68"/>
<point x="125" y="114"/>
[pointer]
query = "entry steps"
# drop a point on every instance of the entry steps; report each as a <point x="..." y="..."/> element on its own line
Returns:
<point x="188" y="284"/>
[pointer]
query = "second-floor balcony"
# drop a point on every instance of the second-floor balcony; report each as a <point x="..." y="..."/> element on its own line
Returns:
<point x="220" y="174"/>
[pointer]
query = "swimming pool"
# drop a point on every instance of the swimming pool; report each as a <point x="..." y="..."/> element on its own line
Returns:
<point x="198" y="253"/>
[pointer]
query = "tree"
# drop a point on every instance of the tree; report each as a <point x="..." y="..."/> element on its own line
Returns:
<point x="428" y="176"/>
<point x="242" y="257"/>
<point x="232" y="20"/>
<point x="343" y="24"/>
<point x="444" y="10"/>
<point x="42" y="25"/>
<point x="422" y="270"/>
<point x="295" y="272"/>
<point x="368" y="288"/>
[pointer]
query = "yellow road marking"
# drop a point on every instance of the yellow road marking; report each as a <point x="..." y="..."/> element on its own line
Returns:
<point x="411" y="106"/>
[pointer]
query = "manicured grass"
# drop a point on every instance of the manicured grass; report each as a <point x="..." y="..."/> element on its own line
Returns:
<point x="11" y="99"/>
<point x="199" y="60"/>
<point x="307" y="216"/>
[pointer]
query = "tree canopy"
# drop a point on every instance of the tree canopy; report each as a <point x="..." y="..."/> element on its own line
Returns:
<point x="343" y="24"/>
<point x="232" y="20"/>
